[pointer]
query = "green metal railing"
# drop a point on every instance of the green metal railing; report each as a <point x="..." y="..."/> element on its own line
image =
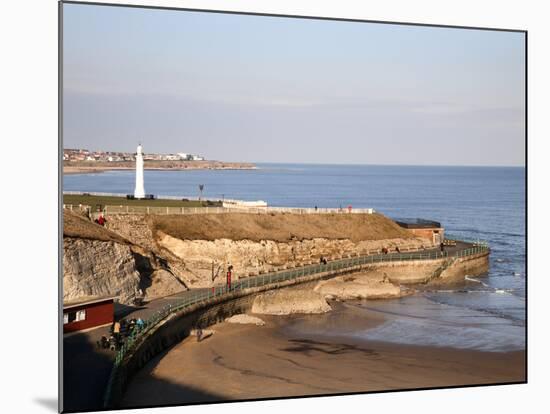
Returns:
<point x="204" y="297"/>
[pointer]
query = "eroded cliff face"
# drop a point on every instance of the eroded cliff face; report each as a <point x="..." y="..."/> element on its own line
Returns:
<point x="99" y="268"/>
<point x="132" y="252"/>
<point x="98" y="261"/>
<point x="135" y="228"/>
<point x="108" y="268"/>
<point x="203" y="263"/>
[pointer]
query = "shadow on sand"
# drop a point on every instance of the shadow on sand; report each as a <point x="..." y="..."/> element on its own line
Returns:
<point x="86" y="370"/>
<point x="157" y="392"/>
<point x="307" y="346"/>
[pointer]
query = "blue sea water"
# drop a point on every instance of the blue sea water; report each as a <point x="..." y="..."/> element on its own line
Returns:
<point x="486" y="203"/>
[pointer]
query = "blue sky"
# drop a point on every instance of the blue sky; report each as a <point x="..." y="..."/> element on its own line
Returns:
<point x="250" y="88"/>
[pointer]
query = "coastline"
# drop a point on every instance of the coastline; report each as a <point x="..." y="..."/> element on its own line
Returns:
<point x="241" y="362"/>
<point x="98" y="167"/>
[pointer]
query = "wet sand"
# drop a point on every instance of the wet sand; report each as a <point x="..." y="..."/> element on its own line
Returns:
<point x="242" y="362"/>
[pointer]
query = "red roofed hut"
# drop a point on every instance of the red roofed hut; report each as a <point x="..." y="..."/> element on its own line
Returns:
<point x="88" y="312"/>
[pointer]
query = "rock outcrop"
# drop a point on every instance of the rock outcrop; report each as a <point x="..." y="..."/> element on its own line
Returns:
<point x="108" y="268"/>
<point x="99" y="268"/>
<point x="162" y="255"/>
<point x="204" y="261"/>
<point x="289" y="301"/>
<point x="198" y="249"/>
<point x="360" y="286"/>
<point x="245" y="320"/>
<point x="135" y="228"/>
<point x="160" y="283"/>
<point x="102" y="262"/>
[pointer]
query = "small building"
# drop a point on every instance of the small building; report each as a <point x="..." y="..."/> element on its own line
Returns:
<point x="243" y="204"/>
<point x="87" y="313"/>
<point x="426" y="229"/>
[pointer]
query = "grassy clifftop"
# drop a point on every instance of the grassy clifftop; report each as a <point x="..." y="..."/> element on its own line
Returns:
<point x="77" y="226"/>
<point x="96" y="202"/>
<point x="279" y="227"/>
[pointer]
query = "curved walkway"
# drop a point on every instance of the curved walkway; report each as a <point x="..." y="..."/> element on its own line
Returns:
<point x="209" y="296"/>
<point x="158" y="310"/>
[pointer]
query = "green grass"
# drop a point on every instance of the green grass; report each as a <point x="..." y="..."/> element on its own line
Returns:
<point x="100" y="201"/>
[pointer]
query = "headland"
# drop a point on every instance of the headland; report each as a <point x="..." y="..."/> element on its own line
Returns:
<point x="83" y="167"/>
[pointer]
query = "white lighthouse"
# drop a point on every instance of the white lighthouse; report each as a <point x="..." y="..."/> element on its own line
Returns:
<point x="139" y="192"/>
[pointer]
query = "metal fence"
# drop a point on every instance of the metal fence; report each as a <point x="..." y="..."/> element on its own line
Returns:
<point x="206" y="297"/>
<point x="228" y="200"/>
<point x="112" y="209"/>
<point x="157" y="197"/>
<point x="78" y="207"/>
<point x="94" y="194"/>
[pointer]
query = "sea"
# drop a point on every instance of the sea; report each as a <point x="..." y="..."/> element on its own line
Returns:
<point x="486" y="313"/>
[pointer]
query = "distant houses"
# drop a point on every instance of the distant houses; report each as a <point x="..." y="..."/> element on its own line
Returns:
<point x="110" y="156"/>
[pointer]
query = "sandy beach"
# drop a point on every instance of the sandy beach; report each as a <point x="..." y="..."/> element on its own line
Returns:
<point x="242" y="362"/>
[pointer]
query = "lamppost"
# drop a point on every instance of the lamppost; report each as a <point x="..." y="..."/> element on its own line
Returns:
<point x="201" y="187"/>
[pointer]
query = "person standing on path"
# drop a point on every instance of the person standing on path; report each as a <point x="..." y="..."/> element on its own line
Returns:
<point x="229" y="273"/>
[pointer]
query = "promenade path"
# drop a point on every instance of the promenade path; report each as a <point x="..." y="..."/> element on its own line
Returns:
<point x="86" y="368"/>
<point x="149" y="309"/>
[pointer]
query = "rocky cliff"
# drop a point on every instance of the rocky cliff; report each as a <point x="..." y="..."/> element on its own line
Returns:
<point x="359" y="286"/>
<point x="199" y="248"/>
<point x="289" y="301"/>
<point x="204" y="262"/>
<point x="99" y="268"/>
<point x="100" y="262"/>
<point x="162" y="255"/>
